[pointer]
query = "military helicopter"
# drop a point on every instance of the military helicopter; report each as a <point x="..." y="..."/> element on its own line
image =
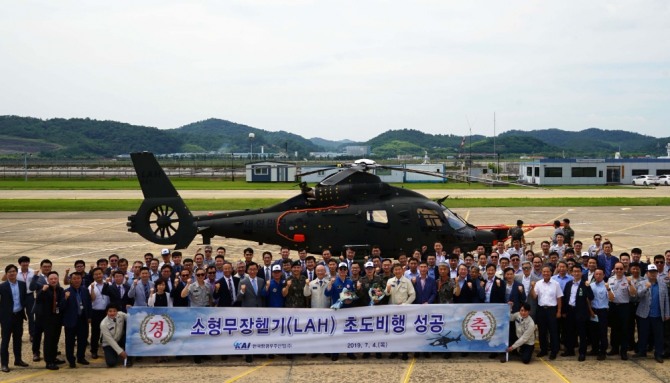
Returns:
<point x="352" y="208"/>
<point x="444" y="340"/>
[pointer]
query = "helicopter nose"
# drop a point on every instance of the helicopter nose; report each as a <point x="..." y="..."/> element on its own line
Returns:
<point x="486" y="237"/>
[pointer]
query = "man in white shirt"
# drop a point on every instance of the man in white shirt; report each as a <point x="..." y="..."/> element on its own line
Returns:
<point x="316" y="289"/>
<point x="113" y="340"/>
<point x="548" y="293"/>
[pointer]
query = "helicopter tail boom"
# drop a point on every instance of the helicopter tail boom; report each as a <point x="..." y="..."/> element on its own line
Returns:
<point x="163" y="217"/>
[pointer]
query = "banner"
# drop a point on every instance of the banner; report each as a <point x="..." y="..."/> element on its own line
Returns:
<point x="162" y="331"/>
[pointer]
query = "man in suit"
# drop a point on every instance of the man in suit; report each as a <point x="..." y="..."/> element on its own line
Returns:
<point x="141" y="288"/>
<point x="654" y="308"/>
<point x="39" y="280"/>
<point x="179" y="285"/>
<point x="424" y="286"/>
<point x="576" y="310"/>
<point x="494" y="291"/>
<point x="225" y="289"/>
<point x="76" y="315"/>
<point x="251" y="292"/>
<point x="12" y="304"/>
<point x="118" y="291"/>
<point x="49" y="306"/>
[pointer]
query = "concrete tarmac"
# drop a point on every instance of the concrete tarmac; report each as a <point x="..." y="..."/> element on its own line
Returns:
<point x="66" y="237"/>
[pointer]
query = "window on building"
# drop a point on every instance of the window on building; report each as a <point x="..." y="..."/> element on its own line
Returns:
<point x="661" y="172"/>
<point x="537" y="171"/>
<point x="600" y="174"/>
<point x="529" y="171"/>
<point x="584" y="172"/>
<point x="640" y="172"/>
<point x="261" y="171"/>
<point x="553" y="172"/>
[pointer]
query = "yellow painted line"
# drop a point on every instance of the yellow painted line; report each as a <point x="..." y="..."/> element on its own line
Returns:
<point x="25" y="377"/>
<point x="563" y="378"/>
<point x="242" y="375"/>
<point x="467" y="215"/>
<point x="636" y="226"/>
<point x="408" y="373"/>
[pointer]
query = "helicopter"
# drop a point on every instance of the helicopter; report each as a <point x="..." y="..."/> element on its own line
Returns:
<point x="352" y="208"/>
<point x="444" y="340"/>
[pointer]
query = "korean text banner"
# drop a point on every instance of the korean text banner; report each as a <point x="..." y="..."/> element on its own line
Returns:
<point x="154" y="331"/>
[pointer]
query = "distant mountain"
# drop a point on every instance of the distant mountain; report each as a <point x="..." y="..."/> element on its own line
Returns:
<point x="83" y="138"/>
<point x="328" y="144"/>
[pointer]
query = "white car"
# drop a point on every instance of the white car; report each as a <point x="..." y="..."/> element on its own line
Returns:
<point x="645" y="180"/>
<point x="664" y="180"/>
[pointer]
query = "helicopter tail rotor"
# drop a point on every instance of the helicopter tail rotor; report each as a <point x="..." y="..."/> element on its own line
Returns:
<point x="163" y="217"/>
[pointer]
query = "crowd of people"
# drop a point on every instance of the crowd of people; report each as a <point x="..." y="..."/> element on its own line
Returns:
<point x="583" y="299"/>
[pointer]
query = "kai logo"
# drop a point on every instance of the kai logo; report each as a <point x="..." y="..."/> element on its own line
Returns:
<point x="242" y="345"/>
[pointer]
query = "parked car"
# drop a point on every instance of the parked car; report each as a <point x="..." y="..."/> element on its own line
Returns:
<point x="645" y="180"/>
<point x="664" y="180"/>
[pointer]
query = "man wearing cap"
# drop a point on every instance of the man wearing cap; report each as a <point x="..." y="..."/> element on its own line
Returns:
<point x="274" y="288"/>
<point x="165" y="253"/>
<point x="209" y="260"/>
<point x="293" y="290"/>
<point x="333" y="290"/>
<point x="653" y="309"/>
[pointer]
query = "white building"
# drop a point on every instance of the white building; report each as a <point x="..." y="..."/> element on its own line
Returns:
<point x="578" y="171"/>
<point x="270" y="171"/>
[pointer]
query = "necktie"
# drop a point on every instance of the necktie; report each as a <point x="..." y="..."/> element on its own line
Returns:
<point x="146" y="292"/>
<point x="397" y="282"/>
<point x="267" y="273"/>
<point x="230" y="287"/>
<point x="55" y="305"/>
<point x="78" y="293"/>
<point x="121" y="291"/>
<point x="320" y="283"/>
<point x="310" y="276"/>
<point x="253" y="284"/>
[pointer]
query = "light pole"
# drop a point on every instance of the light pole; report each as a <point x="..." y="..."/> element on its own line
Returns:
<point x="25" y="166"/>
<point x="251" y="145"/>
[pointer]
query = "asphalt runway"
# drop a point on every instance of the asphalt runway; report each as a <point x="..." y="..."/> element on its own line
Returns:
<point x="66" y="237"/>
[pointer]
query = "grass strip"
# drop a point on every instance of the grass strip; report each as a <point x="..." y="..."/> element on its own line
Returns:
<point x="55" y="205"/>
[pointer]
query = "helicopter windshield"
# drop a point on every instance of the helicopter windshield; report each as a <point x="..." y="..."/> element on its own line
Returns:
<point x="453" y="219"/>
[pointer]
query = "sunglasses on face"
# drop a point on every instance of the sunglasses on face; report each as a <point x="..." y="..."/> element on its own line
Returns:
<point x="526" y="268"/>
<point x="659" y="262"/>
<point x="200" y="275"/>
<point x="210" y="272"/>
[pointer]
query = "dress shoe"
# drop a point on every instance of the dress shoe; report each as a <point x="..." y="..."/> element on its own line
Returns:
<point x="493" y="355"/>
<point x="581" y="358"/>
<point x="427" y="355"/>
<point x="271" y="356"/>
<point x="59" y="361"/>
<point x="197" y="360"/>
<point x="541" y="354"/>
<point x="84" y="362"/>
<point x="224" y="357"/>
<point x="366" y="355"/>
<point x="393" y="355"/>
<point x="94" y="355"/>
<point x="5" y="369"/>
<point x="352" y="356"/>
<point x="36" y="358"/>
<point x="248" y="358"/>
<point x="335" y="357"/>
<point x="658" y="359"/>
<point x="446" y="355"/>
<point x="73" y="365"/>
<point x="552" y="356"/>
<point x="21" y="363"/>
<point x="52" y="366"/>
<point x="404" y="356"/>
<point x="601" y="357"/>
<point x="624" y="356"/>
<point x="378" y="355"/>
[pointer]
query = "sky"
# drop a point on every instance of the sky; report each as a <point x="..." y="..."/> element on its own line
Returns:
<point x="342" y="69"/>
